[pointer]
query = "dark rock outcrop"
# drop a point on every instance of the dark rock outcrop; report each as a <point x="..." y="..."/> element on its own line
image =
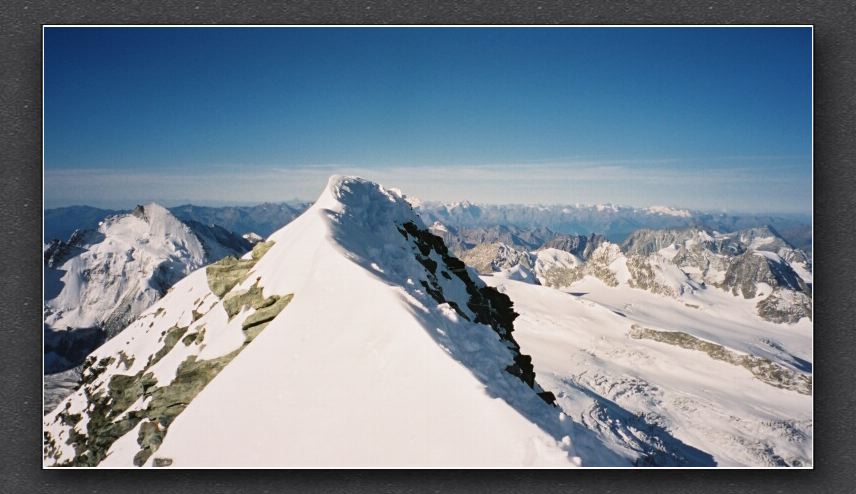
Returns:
<point x="490" y="306"/>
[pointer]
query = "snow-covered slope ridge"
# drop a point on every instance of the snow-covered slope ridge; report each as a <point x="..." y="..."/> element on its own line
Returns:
<point x="349" y="338"/>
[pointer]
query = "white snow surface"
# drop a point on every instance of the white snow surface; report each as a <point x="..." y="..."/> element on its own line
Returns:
<point x="128" y="261"/>
<point x="550" y="257"/>
<point x="669" y="211"/>
<point x="631" y="398"/>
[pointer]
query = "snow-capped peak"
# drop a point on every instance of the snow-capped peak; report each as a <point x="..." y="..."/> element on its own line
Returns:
<point x="102" y="279"/>
<point x="669" y="211"/>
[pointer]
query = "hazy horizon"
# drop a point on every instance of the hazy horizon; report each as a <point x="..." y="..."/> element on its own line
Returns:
<point x="126" y="204"/>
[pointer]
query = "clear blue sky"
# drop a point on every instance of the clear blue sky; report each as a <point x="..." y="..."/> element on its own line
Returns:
<point x="708" y="118"/>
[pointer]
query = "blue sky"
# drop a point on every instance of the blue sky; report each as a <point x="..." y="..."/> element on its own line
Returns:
<point x="706" y="118"/>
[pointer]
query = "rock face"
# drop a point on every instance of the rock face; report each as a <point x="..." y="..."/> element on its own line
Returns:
<point x="578" y="245"/>
<point x="645" y="242"/>
<point x="668" y="262"/>
<point x="460" y="240"/>
<point x="487" y="258"/>
<point x="488" y="305"/>
<point x="559" y="269"/>
<point x="766" y="239"/>
<point x="218" y="242"/>
<point x="746" y="271"/>
<point x="748" y="263"/>
<point x="785" y="306"/>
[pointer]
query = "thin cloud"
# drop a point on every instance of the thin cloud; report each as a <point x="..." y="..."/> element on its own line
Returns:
<point x="633" y="182"/>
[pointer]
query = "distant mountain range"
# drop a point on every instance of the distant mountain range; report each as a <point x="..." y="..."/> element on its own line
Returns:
<point x="475" y="223"/>
<point x="615" y="223"/>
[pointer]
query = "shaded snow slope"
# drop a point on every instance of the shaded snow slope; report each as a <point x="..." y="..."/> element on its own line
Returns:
<point x="385" y="351"/>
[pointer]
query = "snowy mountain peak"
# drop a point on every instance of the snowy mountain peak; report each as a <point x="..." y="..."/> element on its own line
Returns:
<point x="100" y="280"/>
<point x="669" y="211"/>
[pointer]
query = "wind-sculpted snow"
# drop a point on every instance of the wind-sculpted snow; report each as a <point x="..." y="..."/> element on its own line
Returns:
<point x="442" y="277"/>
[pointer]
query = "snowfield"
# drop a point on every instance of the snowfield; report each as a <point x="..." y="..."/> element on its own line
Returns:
<point x="637" y="401"/>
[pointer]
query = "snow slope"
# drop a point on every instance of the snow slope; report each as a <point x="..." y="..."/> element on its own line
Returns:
<point x="350" y="338"/>
<point x="121" y="261"/>
<point x="643" y="401"/>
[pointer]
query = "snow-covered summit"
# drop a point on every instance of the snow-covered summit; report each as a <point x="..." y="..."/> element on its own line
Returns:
<point x="350" y="338"/>
<point x="669" y="211"/>
<point x="131" y="256"/>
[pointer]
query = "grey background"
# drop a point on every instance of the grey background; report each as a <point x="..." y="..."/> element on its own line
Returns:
<point x="20" y="218"/>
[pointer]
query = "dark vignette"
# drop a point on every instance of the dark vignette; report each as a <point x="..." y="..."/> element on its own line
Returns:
<point x="20" y="217"/>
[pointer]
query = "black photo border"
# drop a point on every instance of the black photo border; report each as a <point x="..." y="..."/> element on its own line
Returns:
<point x="21" y="219"/>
